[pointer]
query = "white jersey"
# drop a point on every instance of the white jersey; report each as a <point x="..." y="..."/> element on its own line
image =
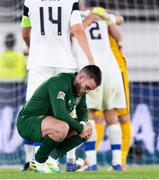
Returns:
<point x="50" y="32"/>
<point x="98" y="38"/>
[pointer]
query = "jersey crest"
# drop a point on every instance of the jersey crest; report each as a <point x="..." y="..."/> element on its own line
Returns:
<point x="61" y="95"/>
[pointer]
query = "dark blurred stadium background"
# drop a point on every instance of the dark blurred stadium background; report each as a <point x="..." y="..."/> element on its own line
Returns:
<point x="141" y="45"/>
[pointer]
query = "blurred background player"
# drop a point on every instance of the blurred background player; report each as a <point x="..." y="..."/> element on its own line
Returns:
<point x="12" y="90"/>
<point x="48" y="39"/>
<point x="110" y="96"/>
<point x="28" y="145"/>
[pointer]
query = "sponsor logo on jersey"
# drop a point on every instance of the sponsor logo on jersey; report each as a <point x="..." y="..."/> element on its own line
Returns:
<point x="69" y="102"/>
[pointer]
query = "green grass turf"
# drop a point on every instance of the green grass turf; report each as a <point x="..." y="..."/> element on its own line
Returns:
<point x="133" y="172"/>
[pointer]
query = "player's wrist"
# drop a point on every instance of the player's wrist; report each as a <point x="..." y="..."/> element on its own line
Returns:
<point x="84" y="124"/>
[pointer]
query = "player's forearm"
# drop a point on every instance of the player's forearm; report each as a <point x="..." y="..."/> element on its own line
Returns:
<point x="88" y="20"/>
<point x="73" y="124"/>
<point x="82" y="40"/>
<point x="115" y="32"/>
<point x="26" y="35"/>
<point x="82" y="116"/>
<point x="61" y="113"/>
<point x="119" y="18"/>
<point x="82" y="111"/>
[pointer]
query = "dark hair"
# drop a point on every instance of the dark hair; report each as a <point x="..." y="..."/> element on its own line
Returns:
<point x="93" y="72"/>
<point x="10" y="40"/>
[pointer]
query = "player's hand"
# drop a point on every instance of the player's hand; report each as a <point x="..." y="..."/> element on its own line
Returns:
<point x="87" y="131"/>
<point x="25" y="50"/>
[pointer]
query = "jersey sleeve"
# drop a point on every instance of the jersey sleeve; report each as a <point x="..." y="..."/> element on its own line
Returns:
<point x="25" y="18"/>
<point x="81" y="110"/>
<point x="75" y="14"/>
<point x="57" y="93"/>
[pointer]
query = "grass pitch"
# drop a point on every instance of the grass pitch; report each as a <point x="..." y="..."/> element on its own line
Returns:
<point x="133" y="172"/>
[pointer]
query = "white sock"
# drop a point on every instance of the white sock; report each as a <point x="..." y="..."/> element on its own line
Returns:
<point x="71" y="157"/>
<point x="90" y="147"/>
<point x="115" y="137"/>
<point x="29" y="152"/>
<point x="36" y="147"/>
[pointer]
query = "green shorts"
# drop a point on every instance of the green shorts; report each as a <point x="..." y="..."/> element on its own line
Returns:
<point x="29" y="127"/>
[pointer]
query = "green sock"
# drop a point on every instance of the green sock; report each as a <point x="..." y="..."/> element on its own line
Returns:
<point x="44" y="151"/>
<point x="66" y="145"/>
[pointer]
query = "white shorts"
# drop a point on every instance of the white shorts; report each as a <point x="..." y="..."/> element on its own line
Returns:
<point x="111" y="93"/>
<point x="37" y="75"/>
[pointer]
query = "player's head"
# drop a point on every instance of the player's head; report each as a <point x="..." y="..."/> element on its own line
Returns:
<point x="87" y="79"/>
<point x="10" y="41"/>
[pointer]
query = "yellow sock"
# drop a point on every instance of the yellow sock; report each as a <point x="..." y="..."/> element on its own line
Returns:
<point x="100" y="134"/>
<point x="126" y="138"/>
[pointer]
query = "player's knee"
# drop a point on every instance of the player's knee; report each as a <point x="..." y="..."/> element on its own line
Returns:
<point x="60" y="132"/>
<point x="111" y="116"/>
<point x="124" y="118"/>
<point x="112" y="120"/>
<point x="115" y="133"/>
<point x="63" y="131"/>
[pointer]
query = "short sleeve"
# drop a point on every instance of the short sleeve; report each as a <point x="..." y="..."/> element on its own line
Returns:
<point x="25" y="18"/>
<point x="26" y="8"/>
<point x="75" y="14"/>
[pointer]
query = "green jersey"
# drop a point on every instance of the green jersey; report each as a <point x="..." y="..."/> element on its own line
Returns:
<point x="55" y="97"/>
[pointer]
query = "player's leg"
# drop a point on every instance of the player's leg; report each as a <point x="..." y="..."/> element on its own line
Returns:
<point x="90" y="151"/>
<point x="126" y="137"/>
<point x="94" y="102"/>
<point x="71" y="165"/>
<point x="124" y="117"/>
<point x="29" y="152"/>
<point x="90" y="144"/>
<point x="53" y="132"/>
<point x="52" y="163"/>
<point x="113" y="99"/>
<point x="115" y="137"/>
<point x="100" y="126"/>
<point x="46" y="129"/>
<point x="123" y="114"/>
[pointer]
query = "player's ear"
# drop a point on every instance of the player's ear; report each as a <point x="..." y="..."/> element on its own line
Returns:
<point x="83" y="76"/>
<point x="80" y="77"/>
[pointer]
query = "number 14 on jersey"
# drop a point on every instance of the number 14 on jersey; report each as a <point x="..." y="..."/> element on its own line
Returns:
<point x="50" y="18"/>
